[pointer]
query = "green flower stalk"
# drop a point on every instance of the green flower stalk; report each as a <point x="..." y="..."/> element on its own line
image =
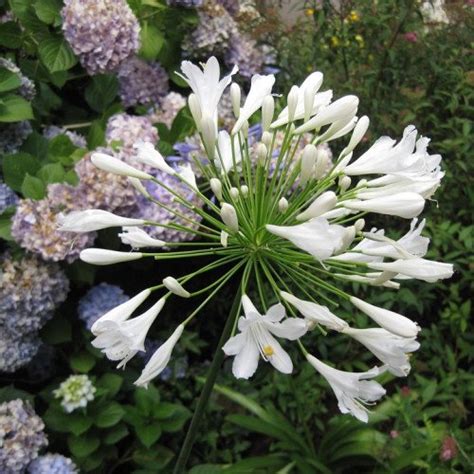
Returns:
<point x="284" y="216"/>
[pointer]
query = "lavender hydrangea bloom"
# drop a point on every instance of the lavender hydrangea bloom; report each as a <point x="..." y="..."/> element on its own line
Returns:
<point x="21" y="436"/>
<point x="153" y="212"/>
<point x="52" y="464"/>
<point x="98" y="300"/>
<point x="13" y="135"/>
<point x="103" y="33"/>
<point x="76" y="139"/>
<point x="16" y="353"/>
<point x="27" y="88"/>
<point x="245" y="52"/>
<point x="30" y="292"/>
<point x="141" y="82"/>
<point x="129" y="129"/>
<point x="8" y="197"/>
<point x="169" y="107"/>
<point x="185" y="3"/>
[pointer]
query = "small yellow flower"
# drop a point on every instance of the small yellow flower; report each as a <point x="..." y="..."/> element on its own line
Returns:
<point x="309" y="68"/>
<point x="309" y="12"/>
<point x="335" y="41"/>
<point x="353" y="16"/>
<point x="359" y="40"/>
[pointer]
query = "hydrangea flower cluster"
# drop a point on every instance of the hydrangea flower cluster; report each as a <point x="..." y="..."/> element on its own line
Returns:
<point x="168" y="109"/>
<point x="184" y="3"/>
<point x="296" y="224"/>
<point x="75" y="392"/>
<point x="8" y="198"/>
<point x="52" y="464"/>
<point x="27" y="88"/>
<point x="141" y="82"/>
<point x="30" y="292"/>
<point x="102" y="33"/>
<point x="98" y="300"/>
<point x="21" y="436"/>
<point x="13" y="135"/>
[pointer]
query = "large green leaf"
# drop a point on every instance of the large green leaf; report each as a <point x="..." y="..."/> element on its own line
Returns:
<point x="14" y="108"/>
<point x="152" y="41"/>
<point x="15" y="168"/>
<point x="148" y="434"/>
<point x="33" y="188"/>
<point x="101" y="92"/>
<point x="56" y="54"/>
<point x="82" y="446"/>
<point x="8" y="80"/>
<point x="48" y="11"/>
<point x="109" y="416"/>
<point x="10" y="35"/>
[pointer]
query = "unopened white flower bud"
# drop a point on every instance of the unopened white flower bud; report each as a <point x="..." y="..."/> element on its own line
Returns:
<point x="362" y="183"/>
<point x="347" y="238"/>
<point x="224" y="238"/>
<point x="292" y="102"/>
<point x="209" y="136"/>
<point x="234" y="192"/>
<point x="357" y="135"/>
<point x="308" y="160"/>
<point x="244" y="189"/>
<point x="309" y="94"/>
<point x="229" y="217"/>
<point x="268" y="108"/>
<point x="175" y="287"/>
<point x="261" y="154"/>
<point x="359" y="224"/>
<point x="114" y="165"/>
<point x="216" y="187"/>
<point x="137" y="184"/>
<point x="267" y="138"/>
<point x="322" y="204"/>
<point x="107" y="257"/>
<point x="235" y="96"/>
<point x="282" y="205"/>
<point x="344" y="183"/>
<point x="195" y="108"/>
<point x="322" y="163"/>
<point x="245" y="129"/>
<point x="92" y="220"/>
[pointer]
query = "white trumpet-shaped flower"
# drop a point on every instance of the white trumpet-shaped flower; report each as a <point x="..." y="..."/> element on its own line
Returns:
<point x="93" y="219"/>
<point x="160" y="359"/>
<point x="322" y="204"/>
<point x="138" y="238"/>
<point x="227" y="156"/>
<point x="206" y="84"/>
<point x="315" y="313"/>
<point x="317" y="236"/>
<point x="175" y="287"/>
<point x="108" y="257"/>
<point x="121" y="340"/>
<point x="260" y="87"/>
<point x="114" y="165"/>
<point x="353" y="390"/>
<point x="148" y="155"/>
<point x="256" y="339"/>
<point x="389" y="348"/>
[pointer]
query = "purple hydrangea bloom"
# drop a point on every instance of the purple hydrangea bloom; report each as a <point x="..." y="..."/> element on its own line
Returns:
<point x="185" y="3"/>
<point x="103" y="33"/>
<point x="8" y="197"/>
<point x="52" y="464"/>
<point x="245" y="52"/>
<point x="153" y="212"/>
<point x="76" y="139"/>
<point x="21" y="436"/>
<point x="16" y="352"/>
<point x="129" y="129"/>
<point x="12" y="136"/>
<point x="27" y="88"/>
<point x="30" y="292"/>
<point x="169" y="107"/>
<point x="141" y="82"/>
<point x="98" y="300"/>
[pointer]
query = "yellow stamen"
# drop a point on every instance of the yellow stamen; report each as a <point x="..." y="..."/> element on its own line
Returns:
<point x="268" y="351"/>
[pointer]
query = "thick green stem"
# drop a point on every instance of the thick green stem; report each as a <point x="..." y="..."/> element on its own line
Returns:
<point x="207" y="389"/>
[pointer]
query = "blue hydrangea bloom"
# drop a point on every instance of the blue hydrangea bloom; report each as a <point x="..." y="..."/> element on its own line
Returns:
<point x="7" y="197"/>
<point x="52" y="464"/>
<point x="98" y="300"/>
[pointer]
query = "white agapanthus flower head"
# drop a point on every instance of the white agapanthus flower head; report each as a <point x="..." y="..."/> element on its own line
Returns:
<point x="279" y="213"/>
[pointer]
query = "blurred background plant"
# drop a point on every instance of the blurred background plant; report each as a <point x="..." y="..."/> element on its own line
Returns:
<point x="62" y="95"/>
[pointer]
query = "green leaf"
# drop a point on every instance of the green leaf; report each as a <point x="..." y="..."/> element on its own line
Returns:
<point x="146" y="399"/>
<point x="10" y="35"/>
<point x="110" y="416"/>
<point x="82" y="362"/>
<point x="101" y="92"/>
<point x="71" y="178"/>
<point x="152" y="41"/>
<point x="56" y="54"/>
<point x="176" y="422"/>
<point x="48" y="11"/>
<point x="8" y="80"/>
<point x="33" y="187"/>
<point x="116" y="434"/>
<point x="52" y="173"/>
<point x="6" y="224"/>
<point x="96" y="135"/>
<point x="148" y="434"/>
<point x="61" y="148"/>
<point x="83" y="446"/>
<point x="57" y="419"/>
<point x="14" y="108"/>
<point x="10" y="393"/>
<point x="36" y="145"/>
<point x="111" y="383"/>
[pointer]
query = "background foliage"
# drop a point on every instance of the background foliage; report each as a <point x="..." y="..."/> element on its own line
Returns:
<point x="405" y="70"/>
